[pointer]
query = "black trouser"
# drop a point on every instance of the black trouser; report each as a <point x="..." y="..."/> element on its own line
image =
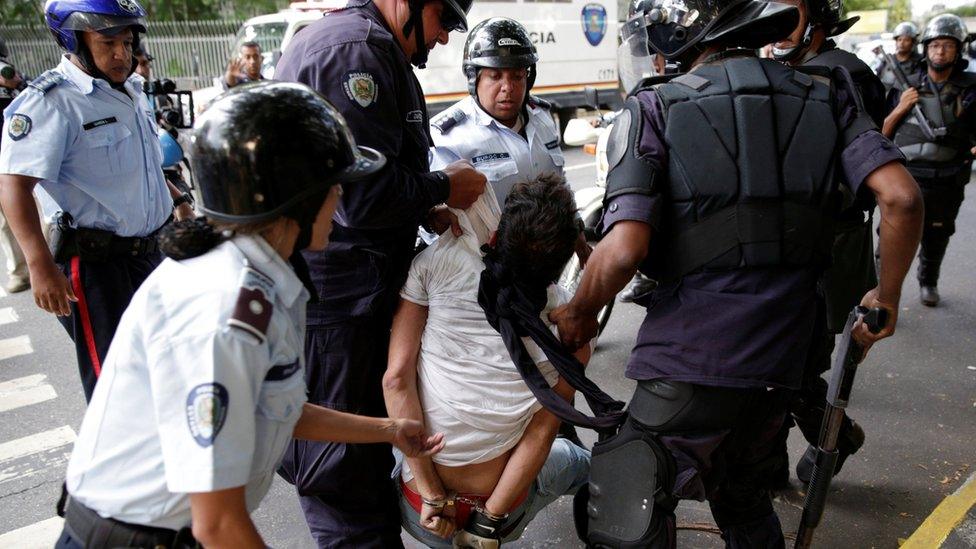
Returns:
<point x="104" y="289"/>
<point x="722" y="454"/>
<point x="942" y="198"/>
<point x="345" y="490"/>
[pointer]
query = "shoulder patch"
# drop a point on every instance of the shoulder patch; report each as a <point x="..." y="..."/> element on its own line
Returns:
<point x="19" y="126"/>
<point x="206" y="411"/>
<point x="46" y="81"/>
<point x="692" y="81"/>
<point x="360" y="88"/>
<point x="255" y="305"/>
<point x="448" y="119"/>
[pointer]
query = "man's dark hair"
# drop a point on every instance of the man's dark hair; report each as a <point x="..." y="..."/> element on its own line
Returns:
<point x="537" y="232"/>
<point x="249" y="44"/>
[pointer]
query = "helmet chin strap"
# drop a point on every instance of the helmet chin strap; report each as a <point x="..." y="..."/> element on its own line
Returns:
<point x="789" y="54"/>
<point x="88" y="62"/>
<point x="416" y="24"/>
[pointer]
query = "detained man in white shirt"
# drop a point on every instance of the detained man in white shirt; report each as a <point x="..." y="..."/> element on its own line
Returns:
<point x="450" y="368"/>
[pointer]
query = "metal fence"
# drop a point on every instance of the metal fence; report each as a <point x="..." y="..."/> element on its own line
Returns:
<point x="191" y="53"/>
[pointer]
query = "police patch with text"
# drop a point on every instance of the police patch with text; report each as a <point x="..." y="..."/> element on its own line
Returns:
<point x="360" y="88"/>
<point x="19" y="126"/>
<point x="206" y="412"/>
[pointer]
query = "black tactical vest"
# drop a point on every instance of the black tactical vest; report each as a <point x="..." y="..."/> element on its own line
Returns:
<point x="869" y="86"/>
<point x="751" y="169"/>
<point x="941" y="108"/>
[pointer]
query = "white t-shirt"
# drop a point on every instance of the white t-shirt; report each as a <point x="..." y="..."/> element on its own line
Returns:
<point x="470" y="389"/>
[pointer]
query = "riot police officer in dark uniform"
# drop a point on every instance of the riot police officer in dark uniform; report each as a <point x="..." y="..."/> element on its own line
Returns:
<point x="359" y="58"/>
<point x="721" y="186"/>
<point x="906" y="54"/>
<point x="945" y="93"/>
<point x="852" y="269"/>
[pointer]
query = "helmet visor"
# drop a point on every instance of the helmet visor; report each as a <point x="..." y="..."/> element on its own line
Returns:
<point x="106" y="24"/>
<point x="634" y="61"/>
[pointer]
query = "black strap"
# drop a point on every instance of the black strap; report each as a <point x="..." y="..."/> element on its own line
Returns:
<point x="802" y="231"/>
<point x="512" y="307"/>
<point x="94" y="532"/>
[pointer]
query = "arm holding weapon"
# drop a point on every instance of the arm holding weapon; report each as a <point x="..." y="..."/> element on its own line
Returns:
<point x="909" y="98"/>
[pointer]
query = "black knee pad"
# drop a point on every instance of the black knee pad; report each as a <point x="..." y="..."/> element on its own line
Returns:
<point x="632" y="476"/>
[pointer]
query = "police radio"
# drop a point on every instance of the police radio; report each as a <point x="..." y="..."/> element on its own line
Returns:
<point x="173" y="107"/>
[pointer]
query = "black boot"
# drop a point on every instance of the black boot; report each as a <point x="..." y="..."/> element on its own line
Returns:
<point x="929" y="295"/>
<point x="930" y="256"/>
<point x="639" y="287"/>
<point x="849" y="441"/>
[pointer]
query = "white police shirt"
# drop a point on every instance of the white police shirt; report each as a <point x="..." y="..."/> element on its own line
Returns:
<point x="94" y="148"/>
<point x="465" y="131"/>
<point x="200" y="390"/>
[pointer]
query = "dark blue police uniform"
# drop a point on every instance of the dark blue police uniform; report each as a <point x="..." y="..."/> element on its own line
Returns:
<point x="352" y="58"/>
<point x="738" y="336"/>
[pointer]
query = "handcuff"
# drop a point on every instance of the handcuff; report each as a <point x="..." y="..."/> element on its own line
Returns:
<point x="440" y="504"/>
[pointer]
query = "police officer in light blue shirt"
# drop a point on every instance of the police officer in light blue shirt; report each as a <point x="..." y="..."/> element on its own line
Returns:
<point x="504" y="132"/>
<point x="84" y="132"/>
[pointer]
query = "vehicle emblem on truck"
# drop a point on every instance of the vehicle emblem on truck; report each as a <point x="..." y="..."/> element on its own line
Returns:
<point x="594" y="23"/>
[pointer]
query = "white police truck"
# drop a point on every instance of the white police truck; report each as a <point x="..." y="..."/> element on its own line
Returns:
<point x="576" y="41"/>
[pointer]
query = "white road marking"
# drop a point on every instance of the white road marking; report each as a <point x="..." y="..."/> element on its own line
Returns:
<point x="25" y="391"/>
<point x="39" y="535"/>
<point x="15" y="346"/>
<point x="3" y="293"/>
<point x="579" y="167"/>
<point x="8" y="315"/>
<point x="33" y="444"/>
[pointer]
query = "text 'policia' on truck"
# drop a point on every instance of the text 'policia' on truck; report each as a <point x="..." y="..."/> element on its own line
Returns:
<point x="576" y="40"/>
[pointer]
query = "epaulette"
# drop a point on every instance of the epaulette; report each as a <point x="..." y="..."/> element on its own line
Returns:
<point x="651" y="81"/>
<point x="540" y="103"/>
<point x="46" y="81"/>
<point x="254" y="305"/>
<point x="448" y="119"/>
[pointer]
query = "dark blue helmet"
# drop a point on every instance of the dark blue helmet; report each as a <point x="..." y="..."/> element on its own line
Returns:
<point x="66" y="18"/>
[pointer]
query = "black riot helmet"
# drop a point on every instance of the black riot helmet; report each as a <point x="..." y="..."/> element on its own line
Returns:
<point x="498" y="43"/>
<point x="680" y="29"/>
<point x="453" y="18"/>
<point x="946" y="25"/>
<point x="906" y="28"/>
<point x="268" y="149"/>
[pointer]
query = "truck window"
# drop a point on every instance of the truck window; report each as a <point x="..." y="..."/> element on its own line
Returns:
<point x="267" y="35"/>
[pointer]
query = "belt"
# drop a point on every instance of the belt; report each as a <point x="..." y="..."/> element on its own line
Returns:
<point x="95" y="244"/>
<point x="936" y="173"/>
<point x="94" y="532"/>
<point x="463" y="503"/>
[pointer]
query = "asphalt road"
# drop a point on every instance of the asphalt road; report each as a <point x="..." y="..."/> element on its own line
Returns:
<point x="916" y="398"/>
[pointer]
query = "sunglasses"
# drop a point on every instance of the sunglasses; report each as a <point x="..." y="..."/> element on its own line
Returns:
<point x="451" y="22"/>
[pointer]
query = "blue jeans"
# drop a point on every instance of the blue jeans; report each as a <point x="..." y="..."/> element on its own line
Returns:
<point x="566" y="470"/>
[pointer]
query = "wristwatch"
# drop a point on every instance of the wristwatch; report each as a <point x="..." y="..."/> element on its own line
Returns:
<point x="185" y="198"/>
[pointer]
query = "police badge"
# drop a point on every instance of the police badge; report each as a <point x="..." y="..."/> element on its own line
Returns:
<point x="360" y="88"/>
<point x="206" y="411"/>
<point x="594" y="18"/>
<point x="19" y="127"/>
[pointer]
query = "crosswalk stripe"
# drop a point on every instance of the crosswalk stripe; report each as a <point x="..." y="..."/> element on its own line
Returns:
<point x="25" y="391"/>
<point x="34" y="536"/>
<point x="15" y="346"/>
<point x="33" y="444"/>
<point x="3" y="293"/>
<point x="8" y="315"/>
